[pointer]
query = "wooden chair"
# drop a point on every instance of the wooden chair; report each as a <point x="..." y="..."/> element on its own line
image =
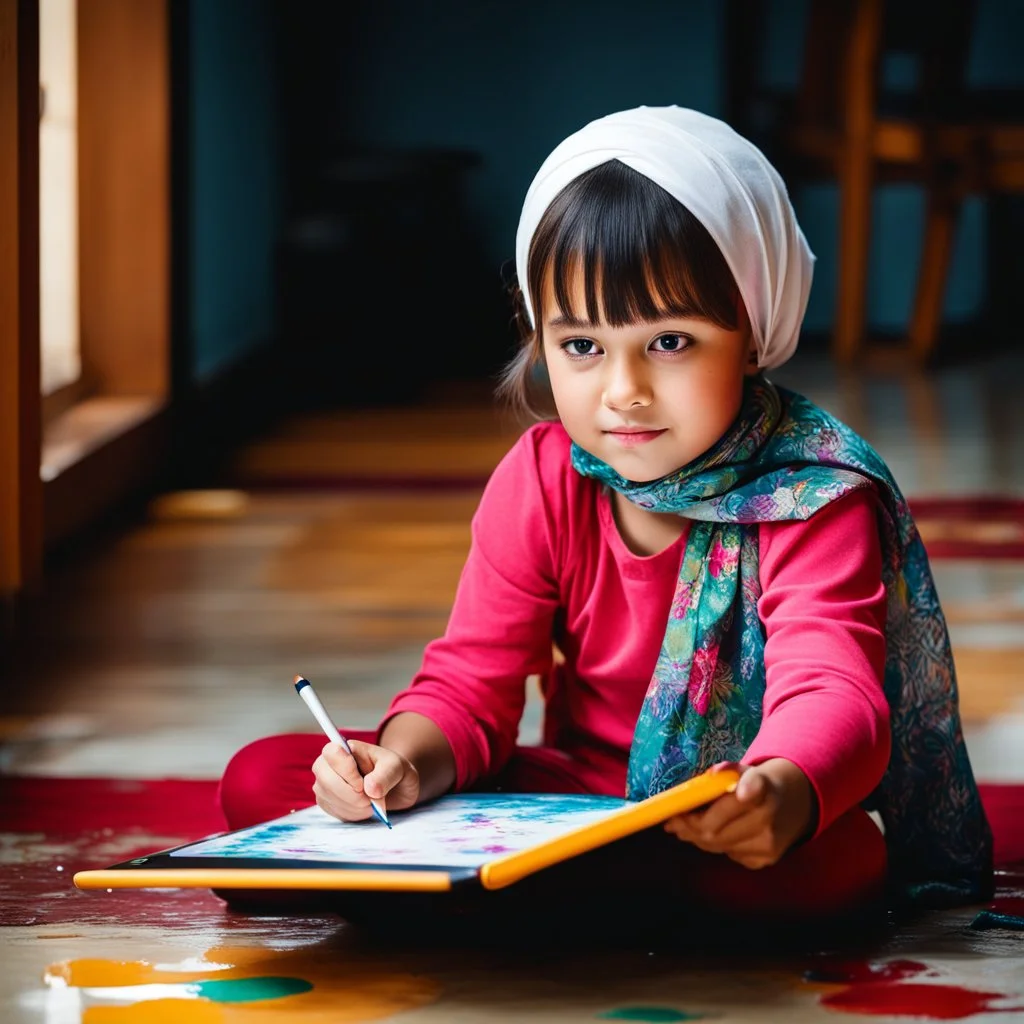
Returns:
<point x="842" y="125"/>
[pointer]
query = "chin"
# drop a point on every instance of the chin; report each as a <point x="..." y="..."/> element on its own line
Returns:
<point x="636" y="472"/>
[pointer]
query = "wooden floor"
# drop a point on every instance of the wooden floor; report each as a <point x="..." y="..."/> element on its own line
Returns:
<point x="333" y="550"/>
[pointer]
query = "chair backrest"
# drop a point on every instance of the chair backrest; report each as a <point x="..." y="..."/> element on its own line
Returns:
<point x="844" y="60"/>
<point x="861" y="60"/>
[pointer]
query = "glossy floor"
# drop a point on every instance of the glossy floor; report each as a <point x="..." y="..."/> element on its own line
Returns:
<point x="334" y="550"/>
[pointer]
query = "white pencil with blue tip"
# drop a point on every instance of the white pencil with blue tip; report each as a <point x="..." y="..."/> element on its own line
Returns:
<point x="305" y="690"/>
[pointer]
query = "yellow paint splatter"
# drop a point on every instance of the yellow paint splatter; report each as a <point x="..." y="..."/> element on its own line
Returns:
<point x="162" y="1011"/>
<point x="343" y="991"/>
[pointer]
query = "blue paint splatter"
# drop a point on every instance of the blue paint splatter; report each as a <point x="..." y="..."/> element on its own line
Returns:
<point x="650" y="1014"/>
<point x="249" y="990"/>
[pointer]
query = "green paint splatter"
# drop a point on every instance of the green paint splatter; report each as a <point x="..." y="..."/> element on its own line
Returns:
<point x="650" y="1014"/>
<point x="249" y="990"/>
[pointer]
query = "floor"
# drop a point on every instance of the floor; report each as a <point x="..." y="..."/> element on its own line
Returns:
<point x="333" y="550"/>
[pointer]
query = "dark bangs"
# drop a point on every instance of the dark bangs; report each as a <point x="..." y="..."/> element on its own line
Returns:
<point x="643" y="255"/>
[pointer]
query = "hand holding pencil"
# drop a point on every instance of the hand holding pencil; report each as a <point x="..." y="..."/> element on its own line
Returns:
<point x="352" y="777"/>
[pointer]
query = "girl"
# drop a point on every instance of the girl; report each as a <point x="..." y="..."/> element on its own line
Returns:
<point x="703" y="567"/>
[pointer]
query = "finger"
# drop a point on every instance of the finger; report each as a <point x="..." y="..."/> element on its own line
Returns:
<point x="344" y="765"/>
<point x="755" y="854"/>
<point x="717" y="816"/>
<point x="387" y="772"/>
<point x="689" y="829"/>
<point x="740" y="832"/>
<point x="753" y="788"/>
<point x="355" y="808"/>
<point x="342" y="799"/>
<point x="365" y="755"/>
<point x="335" y="795"/>
<point x="728" y="819"/>
<point x="679" y="825"/>
<point x="689" y="824"/>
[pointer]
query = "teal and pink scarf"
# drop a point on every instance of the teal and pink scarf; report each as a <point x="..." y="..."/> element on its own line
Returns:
<point x="784" y="458"/>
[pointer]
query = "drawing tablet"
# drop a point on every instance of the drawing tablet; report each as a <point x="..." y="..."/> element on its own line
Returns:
<point x="465" y="839"/>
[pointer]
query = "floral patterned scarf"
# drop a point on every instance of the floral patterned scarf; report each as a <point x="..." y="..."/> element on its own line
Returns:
<point x="784" y="458"/>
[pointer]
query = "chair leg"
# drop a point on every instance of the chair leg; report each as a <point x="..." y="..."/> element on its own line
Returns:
<point x="854" y="240"/>
<point x="937" y="250"/>
<point x="855" y="174"/>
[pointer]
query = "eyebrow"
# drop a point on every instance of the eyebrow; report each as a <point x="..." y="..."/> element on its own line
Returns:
<point x="568" y="320"/>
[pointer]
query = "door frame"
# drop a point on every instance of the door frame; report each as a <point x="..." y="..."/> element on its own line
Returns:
<point x="21" y="490"/>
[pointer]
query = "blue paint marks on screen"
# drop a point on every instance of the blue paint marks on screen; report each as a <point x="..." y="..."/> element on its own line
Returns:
<point x="459" y="830"/>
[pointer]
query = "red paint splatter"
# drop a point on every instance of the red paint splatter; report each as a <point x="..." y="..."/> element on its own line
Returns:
<point x="934" y="1002"/>
<point x="881" y="988"/>
<point x="856" y="972"/>
<point x="60" y="826"/>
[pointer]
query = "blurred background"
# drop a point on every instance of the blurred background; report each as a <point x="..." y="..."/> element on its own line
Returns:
<point x="256" y="247"/>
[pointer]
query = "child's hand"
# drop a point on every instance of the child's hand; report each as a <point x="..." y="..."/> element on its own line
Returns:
<point x="772" y="807"/>
<point x="345" y="784"/>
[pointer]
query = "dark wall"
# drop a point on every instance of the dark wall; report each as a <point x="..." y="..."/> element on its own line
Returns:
<point x="357" y="169"/>
<point x="497" y="84"/>
<point x="505" y="81"/>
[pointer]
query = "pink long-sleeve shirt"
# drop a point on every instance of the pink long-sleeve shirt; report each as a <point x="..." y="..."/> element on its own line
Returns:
<point x="547" y="566"/>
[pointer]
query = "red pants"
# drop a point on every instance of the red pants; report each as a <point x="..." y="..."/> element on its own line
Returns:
<point x="842" y="870"/>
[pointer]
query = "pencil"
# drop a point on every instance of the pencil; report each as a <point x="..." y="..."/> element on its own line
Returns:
<point x="305" y="690"/>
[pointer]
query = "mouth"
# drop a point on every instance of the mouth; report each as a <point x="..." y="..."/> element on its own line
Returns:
<point x="631" y="437"/>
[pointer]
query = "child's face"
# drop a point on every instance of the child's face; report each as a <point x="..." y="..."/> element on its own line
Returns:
<point x="649" y="397"/>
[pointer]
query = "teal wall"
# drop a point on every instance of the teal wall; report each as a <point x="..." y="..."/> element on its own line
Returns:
<point x="233" y="186"/>
<point x="510" y="82"/>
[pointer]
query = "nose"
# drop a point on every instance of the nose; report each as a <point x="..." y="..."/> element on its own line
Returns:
<point x="626" y="385"/>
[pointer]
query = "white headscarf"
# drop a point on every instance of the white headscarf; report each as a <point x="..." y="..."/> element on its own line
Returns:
<point x="724" y="181"/>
